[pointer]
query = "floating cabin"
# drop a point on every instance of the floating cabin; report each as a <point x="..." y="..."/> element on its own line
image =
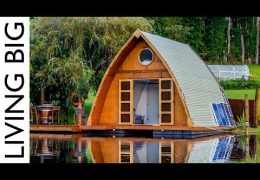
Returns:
<point x="160" y="85"/>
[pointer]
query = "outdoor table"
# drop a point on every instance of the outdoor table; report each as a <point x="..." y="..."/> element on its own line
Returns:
<point x="47" y="108"/>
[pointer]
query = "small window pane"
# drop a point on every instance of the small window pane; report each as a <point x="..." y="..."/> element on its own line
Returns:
<point x="125" y="158"/>
<point x="166" y="118"/>
<point x="125" y="117"/>
<point x="125" y="107"/>
<point x="166" y="95"/>
<point x="166" y="149"/>
<point x="166" y="106"/>
<point x="125" y="85"/>
<point x="125" y="147"/>
<point x="125" y="96"/>
<point x="166" y="84"/>
<point x="166" y="159"/>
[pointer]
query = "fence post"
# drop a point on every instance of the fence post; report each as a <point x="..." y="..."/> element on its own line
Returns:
<point x="247" y="148"/>
<point x="256" y="108"/>
<point x="246" y="114"/>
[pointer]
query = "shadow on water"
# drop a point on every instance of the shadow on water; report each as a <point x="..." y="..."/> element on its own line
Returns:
<point x="51" y="148"/>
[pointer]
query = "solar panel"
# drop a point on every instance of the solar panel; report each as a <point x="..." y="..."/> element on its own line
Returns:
<point x="221" y="114"/>
<point x="223" y="149"/>
<point x="216" y="114"/>
<point x="230" y="114"/>
<point x="225" y="111"/>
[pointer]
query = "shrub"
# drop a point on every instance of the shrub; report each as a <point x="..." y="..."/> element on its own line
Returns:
<point x="240" y="84"/>
<point x="241" y="124"/>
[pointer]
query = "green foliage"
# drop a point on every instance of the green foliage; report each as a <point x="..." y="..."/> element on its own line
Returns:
<point x="240" y="84"/>
<point x="215" y="37"/>
<point x="241" y="121"/>
<point x="196" y="36"/>
<point x="170" y="27"/>
<point x="247" y="27"/>
<point x="208" y="36"/>
<point x="71" y="53"/>
<point x="254" y="72"/>
<point x="88" y="156"/>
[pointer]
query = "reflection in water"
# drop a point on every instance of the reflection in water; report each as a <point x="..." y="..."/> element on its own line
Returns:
<point x="79" y="149"/>
<point x="212" y="151"/>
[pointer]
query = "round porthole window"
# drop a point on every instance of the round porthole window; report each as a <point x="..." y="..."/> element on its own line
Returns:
<point x="145" y="56"/>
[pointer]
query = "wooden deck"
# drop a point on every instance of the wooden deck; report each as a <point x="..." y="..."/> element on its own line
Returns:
<point x="83" y="129"/>
<point x="55" y="128"/>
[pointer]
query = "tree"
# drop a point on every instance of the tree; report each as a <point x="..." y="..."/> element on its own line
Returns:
<point x="196" y="36"/>
<point x="214" y="38"/>
<point x="242" y="44"/>
<point x="70" y="53"/>
<point x="257" y="40"/>
<point x="104" y="37"/>
<point x="170" y="27"/>
<point x="228" y="34"/>
<point x="240" y="29"/>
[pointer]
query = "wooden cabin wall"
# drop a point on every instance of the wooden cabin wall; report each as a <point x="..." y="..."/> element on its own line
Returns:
<point x="132" y="69"/>
<point x="180" y="151"/>
<point x="105" y="150"/>
<point x="96" y="151"/>
<point x="180" y="117"/>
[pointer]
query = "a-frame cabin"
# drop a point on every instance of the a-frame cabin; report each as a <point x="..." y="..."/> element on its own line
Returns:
<point x="155" y="83"/>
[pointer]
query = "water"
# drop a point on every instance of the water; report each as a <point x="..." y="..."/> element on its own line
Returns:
<point x="47" y="148"/>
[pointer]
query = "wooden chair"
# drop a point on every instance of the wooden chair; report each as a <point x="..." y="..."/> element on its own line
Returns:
<point x="38" y="115"/>
<point x="57" y="114"/>
<point x="32" y="112"/>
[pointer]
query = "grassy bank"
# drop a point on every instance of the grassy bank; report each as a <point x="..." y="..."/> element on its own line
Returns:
<point x="89" y="101"/>
<point x="88" y="105"/>
<point x="254" y="71"/>
<point x="255" y="130"/>
<point x="240" y="94"/>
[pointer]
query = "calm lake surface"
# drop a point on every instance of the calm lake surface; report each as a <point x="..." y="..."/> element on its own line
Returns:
<point x="48" y="148"/>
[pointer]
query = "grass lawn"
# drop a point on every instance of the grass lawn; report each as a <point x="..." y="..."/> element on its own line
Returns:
<point x="240" y="94"/>
<point x="255" y="130"/>
<point x="254" y="71"/>
<point x="88" y="105"/>
<point x="89" y="101"/>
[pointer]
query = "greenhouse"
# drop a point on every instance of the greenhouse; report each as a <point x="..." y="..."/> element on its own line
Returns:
<point x="227" y="72"/>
